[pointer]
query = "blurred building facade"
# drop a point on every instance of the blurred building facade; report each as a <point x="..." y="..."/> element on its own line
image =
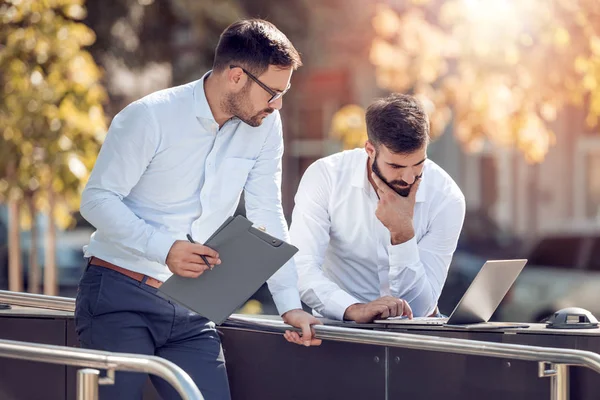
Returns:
<point x="503" y="191"/>
<point x="334" y="38"/>
<point x="561" y="191"/>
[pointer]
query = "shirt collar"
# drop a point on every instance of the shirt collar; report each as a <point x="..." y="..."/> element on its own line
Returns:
<point x="201" y="103"/>
<point x="360" y="179"/>
<point x="359" y="175"/>
<point x="203" y="112"/>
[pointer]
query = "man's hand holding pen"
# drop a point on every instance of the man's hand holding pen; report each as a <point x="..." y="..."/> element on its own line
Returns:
<point x="190" y="259"/>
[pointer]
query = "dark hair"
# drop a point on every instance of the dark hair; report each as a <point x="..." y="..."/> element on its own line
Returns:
<point x="399" y="123"/>
<point x="254" y="44"/>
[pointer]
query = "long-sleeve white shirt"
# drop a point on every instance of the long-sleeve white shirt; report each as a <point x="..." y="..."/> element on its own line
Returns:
<point x="345" y="253"/>
<point x="166" y="170"/>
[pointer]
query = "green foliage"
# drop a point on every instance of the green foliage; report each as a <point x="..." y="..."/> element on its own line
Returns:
<point x="51" y="118"/>
<point x="499" y="71"/>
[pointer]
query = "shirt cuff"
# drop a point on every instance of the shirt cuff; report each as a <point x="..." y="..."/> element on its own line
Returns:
<point x="159" y="246"/>
<point x="404" y="254"/>
<point x="337" y="305"/>
<point x="286" y="300"/>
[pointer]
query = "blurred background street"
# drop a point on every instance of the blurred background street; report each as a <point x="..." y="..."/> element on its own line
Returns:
<point x="511" y="88"/>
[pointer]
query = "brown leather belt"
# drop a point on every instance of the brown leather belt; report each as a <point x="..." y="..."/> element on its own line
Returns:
<point x="155" y="283"/>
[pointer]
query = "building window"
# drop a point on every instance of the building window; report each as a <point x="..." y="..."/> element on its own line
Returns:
<point x="592" y="186"/>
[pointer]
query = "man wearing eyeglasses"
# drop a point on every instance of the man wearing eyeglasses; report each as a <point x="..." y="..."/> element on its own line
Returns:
<point x="174" y="164"/>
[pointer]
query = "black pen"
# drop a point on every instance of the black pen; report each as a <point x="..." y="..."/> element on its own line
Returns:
<point x="189" y="237"/>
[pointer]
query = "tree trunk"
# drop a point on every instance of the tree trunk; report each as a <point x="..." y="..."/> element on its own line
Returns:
<point x="50" y="275"/>
<point x="15" y="267"/>
<point x="34" y="265"/>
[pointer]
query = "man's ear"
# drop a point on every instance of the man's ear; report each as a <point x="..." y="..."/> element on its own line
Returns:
<point x="235" y="78"/>
<point x="370" y="149"/>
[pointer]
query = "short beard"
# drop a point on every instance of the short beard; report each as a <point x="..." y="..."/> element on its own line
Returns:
<point x="399" y="186"/>
<point x="237" y="104"/>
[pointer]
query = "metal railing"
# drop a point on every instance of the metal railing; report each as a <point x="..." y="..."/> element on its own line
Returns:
<point x="88" y="378"/>
<point x="553" y="362"/>
<point x="431" y="343"/>
<point x="37" y="301"/>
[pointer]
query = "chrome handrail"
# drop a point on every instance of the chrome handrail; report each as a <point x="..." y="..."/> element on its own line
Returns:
<point x="431" y="343"/>
<point x="109" y="361"/>
<point x="37" y="301"/>
<point x="392" y="339"/>
<point x="553" y="362"/>
<point x="165" y="369"/>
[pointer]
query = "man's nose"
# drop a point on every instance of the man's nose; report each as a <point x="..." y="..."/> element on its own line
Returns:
<point x="277" y="104"/>
<point x="409" y="177"/>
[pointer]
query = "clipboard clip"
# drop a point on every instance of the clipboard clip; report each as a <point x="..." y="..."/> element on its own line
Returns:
<point x="260" y="232"/>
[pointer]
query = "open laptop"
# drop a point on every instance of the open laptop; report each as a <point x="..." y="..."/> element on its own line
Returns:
<point x="479" y="301"/>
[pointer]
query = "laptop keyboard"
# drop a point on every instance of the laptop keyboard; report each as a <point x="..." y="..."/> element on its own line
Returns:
<point x="416" y="320"/>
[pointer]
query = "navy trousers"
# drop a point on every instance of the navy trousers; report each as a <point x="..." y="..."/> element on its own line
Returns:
<point x="116" y="313"/>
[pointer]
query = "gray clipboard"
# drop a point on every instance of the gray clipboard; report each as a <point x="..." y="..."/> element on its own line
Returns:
<point x="248" y="256"/>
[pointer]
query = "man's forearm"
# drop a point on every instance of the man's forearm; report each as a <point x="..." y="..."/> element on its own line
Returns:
<point x="409" y="280"/>
<point x="283" y="285"/>
<point x="112" y="218"/>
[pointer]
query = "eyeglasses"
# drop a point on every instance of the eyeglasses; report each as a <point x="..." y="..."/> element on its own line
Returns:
<point x="275" y="95"/>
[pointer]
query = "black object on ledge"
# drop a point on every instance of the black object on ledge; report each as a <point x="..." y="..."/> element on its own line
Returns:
<point x="572" y="318"/>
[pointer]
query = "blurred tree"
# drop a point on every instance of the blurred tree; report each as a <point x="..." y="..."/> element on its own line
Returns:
<point x="498" y="70"/>
<point x="348" y="125"/>
<point x="147" y="45"/>
<point x="201" y="23"/>
<point x="52" y="120"/>
<point x="291" y="17"/>
<point x="135" y="31"/>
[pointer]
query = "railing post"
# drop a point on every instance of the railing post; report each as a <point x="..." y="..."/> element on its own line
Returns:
<point x="559" y="379"/>
<point x="559" y="383"/>
<point x="87" y="384"/>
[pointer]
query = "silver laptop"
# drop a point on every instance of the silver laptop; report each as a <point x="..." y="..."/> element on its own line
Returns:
<point x="479" y="301"/>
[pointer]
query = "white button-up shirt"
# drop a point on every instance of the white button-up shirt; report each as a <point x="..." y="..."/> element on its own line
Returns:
<point x="346" y="255"/>
<point x="166" y="170"/>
